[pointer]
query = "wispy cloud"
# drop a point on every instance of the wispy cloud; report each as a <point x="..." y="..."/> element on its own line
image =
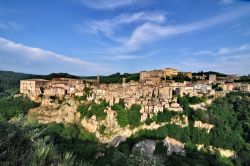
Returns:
<point x="109" y="4"/>
<point x="39" y="56"/>
<point x="6" y="12"/>
<point x="225" y="51"/>
<point x="128" y="57"/>
<point x="149" y="32"/>
<point x="227" y="60"/>
<point x="6" y="25"/>
<point x="247" y="33"/>
<point x="227" y="64"/>
<point x="150" y="27"/>
<point x="108" y="27"/>
<point x="227" y="2"/>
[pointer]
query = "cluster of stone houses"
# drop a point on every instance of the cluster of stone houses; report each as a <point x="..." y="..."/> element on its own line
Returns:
<point x="152" y="92"/>
<point x="152" y="97"/>
<point x="227" y="83"/>
<point x="55" y="87"/>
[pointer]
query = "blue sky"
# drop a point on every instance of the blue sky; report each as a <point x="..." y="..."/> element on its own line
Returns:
<point x="89" y="37"/>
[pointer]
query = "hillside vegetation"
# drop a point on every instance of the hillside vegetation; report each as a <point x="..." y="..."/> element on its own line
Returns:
<point x="24" y="141"/>
<point x="27" y="142"/>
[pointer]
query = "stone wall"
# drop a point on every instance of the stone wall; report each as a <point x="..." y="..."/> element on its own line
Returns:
<point x="56" y="87"/>
<point x="33" y="87"/>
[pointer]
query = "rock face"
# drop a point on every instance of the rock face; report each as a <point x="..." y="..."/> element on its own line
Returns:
<point x="117" y="140"/>
<point x="226" y="153"/>
<point x="223" y="152"/>
<point x="206" y="126"/>
<point x="54" y="112"/>
<point x="174" y="146"/>
<point x="111" y="122"/>
<point x="182" y="121"/>
<point x="146" y="146"/>
<point x="90" y="124"/>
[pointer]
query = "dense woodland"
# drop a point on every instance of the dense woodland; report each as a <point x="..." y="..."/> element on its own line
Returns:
<point x="24" y="141"/>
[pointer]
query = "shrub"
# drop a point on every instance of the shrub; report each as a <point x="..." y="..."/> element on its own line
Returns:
<point x="149" y="121"/>
<point x="160" y="148"/>
<point x="15" y="106"/>
<point x="83" y="109"/>
<point x="165" y="116"/>
<point x="122" y="115"/>
<point x="98" y="110"/>
<point x="81" y="98"/>
<point x="102" y="129"/>
<point x="134" y="115"/>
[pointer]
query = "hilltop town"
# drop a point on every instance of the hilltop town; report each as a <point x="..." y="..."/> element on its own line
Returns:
<point x="165" y="106"/>
<point x="155" y="90"/>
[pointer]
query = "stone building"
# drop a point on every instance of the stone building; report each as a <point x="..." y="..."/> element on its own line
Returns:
<point x="204" y="89"/>
<point x="230" y="86"/>
<point x="170" y="72"/>
<point x="245" y="87"/>
<point x="70" y="85"/>
<point x="186" y="74"/>
<point x="152" y="97"/>
<point x="151" y="77"/>
<point x="227" y="78"/>
<point x="33" y="87"/>
<point x="155" y="76"/>
<point x="212" y="78"/>
<point x="199" y="76"/>
<point x="55" y="87"/>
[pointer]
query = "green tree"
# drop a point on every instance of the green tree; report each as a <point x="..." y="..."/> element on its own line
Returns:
<point x="84" y="111"/>
<point x="164" y="116"/>
<point x="122" y="114"/>
<point x="98" y="110"/>
<point x="199" y="136"/>
<point x="15" y="106"/>
<point x="183" y="101"/>
<point x="134" y="115"/>
<point x="71" y="131"/>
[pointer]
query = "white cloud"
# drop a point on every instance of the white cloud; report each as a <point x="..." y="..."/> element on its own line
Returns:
<point x="31" y="55"/>
<point x="128" y="57"/>
<point x="232" y="64"/>
<point x="225" y="51"/>
<point x="234" y="60"/>
<point x="227" y="2"/>
<point x="109" y="4"/>
<point x="149" y="32"/>
<point x="109" y="26"/>
<point x="6" y="25"/>
<point x="152" y="26"/>
<point x="247" y="33"/>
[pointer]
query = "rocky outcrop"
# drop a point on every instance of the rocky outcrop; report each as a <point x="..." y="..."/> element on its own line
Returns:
<point x="201" y="125"/>
<point x="90" y="124"/>
<point x="146" y="146"/>
<point x="122" y="133"/>
<point x="174" y="146"/>
<point x="202" y="106"/>
<point x="49" y="111"/>
<point x="226" y="153"/>
<point x="223" y="152"/>
<point x="182" y="121"/>
<point x="117" y="140"/>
